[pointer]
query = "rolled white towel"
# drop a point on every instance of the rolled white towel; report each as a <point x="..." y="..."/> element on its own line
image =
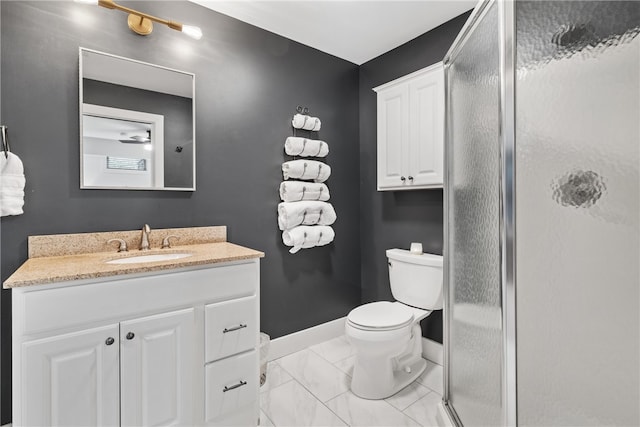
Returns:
<point x="291" y="214"/>
<point x="302" y="121"/>
<point x="305" y="236"/>
<point x="306" y="169"/>
<point x="12" y="184"/>
<point x="296" y="146"/>
<point x="294" y="191"/>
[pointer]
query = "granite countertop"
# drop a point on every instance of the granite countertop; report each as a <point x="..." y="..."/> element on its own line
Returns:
<point x="63" y="258"/>
<point x="38" y="271"/>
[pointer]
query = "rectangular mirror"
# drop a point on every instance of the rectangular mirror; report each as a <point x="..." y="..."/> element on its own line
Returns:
<point x="137" y="125"/>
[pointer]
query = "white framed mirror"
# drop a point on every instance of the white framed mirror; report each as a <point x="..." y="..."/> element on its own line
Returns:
<point x="137" y="125"/>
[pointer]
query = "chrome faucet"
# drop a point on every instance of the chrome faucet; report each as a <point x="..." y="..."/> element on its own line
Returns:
<point x="144" y="241"/>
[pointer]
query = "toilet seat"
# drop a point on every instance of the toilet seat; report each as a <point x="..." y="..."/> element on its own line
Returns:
<point x="381" y="316"/>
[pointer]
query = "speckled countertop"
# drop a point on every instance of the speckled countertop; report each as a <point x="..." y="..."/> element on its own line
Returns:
<point x="78" y="266"/>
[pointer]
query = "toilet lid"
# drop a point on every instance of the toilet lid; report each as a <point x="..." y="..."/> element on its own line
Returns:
<point x="381" y="315"/>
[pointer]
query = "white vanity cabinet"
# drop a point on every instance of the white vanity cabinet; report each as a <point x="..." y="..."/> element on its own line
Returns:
<point x="139" y="350"/>
<point x="410" y="122"/>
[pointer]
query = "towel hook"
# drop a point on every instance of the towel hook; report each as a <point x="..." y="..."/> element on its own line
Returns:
<point x="5" y="141"/>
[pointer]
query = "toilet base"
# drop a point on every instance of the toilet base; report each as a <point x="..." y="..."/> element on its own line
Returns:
<point x="401" y="379"/>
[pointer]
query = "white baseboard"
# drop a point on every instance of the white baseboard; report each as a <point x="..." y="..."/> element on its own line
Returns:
<point x="300" y="340"/>
<point x="442" y="417"/>
<point x="433" y="351"/>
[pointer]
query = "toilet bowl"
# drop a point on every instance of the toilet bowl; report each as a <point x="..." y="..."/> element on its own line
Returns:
<point x="386" y="336"/>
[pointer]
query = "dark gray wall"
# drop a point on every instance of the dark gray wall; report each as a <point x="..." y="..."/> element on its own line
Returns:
<point x="178" y="122"/>
<point x="393" y="219"/>
<point x="248" y="83"/>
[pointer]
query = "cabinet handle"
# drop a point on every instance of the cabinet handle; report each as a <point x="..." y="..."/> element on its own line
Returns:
<point x="410" y="178"/>
<point x="130" y="335"/>
<point x="403" y="179"/>
<point x="240" y="384"/>
<point x="235" y="328"/>
<point x="109" y="341"/>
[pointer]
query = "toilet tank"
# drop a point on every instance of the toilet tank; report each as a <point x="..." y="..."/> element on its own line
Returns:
<point x="416" y="279"/>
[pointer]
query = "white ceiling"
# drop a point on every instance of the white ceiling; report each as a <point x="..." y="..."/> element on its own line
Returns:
<point x="353" y="30"/>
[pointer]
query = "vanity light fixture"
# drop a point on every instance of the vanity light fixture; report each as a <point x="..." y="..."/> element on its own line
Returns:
<point x="141" y="23"/>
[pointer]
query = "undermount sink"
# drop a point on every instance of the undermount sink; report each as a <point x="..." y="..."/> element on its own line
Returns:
<point x="148" y="258"/>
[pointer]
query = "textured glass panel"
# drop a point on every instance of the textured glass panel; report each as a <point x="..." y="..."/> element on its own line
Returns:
<point x="577" y="210"/>
<point x="475" y="341"/>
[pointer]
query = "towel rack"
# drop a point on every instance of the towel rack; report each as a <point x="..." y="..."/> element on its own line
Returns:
<point x="5" y="141"/>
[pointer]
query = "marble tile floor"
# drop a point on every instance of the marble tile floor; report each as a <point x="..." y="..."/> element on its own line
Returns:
<point x="311" y="388"/>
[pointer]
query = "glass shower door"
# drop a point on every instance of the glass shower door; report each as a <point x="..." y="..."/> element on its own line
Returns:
<point x="473" y="310"/>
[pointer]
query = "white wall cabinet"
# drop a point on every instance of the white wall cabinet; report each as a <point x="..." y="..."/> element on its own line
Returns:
<point x="147" y="350"/>
<point x="410" y="123"/>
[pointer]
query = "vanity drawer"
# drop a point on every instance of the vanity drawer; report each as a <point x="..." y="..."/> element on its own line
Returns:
<point x="230" y="327"/>
<point x="231" y="385"/>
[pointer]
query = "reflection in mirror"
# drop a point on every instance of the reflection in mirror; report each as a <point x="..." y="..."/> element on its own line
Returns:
<point x="136" y="125"/>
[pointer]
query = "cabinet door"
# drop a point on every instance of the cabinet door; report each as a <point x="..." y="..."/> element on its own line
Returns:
<point x="71" y="379"/>
<point x="426" y="140"/>
<point x="393" y="122"/>
<point x="157" y="369"/>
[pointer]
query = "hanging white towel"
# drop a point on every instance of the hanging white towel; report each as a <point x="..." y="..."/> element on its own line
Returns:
<point x="296" y="146"/>
<point x="306" y="169"/>
<point x="291" y="214"/>
<point x="12" y="183"/>
<point x="294" y="191"/>
<point x="302" y="121"/>
<point x="305" y="236"/>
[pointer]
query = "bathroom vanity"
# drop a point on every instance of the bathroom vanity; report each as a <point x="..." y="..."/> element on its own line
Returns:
<point x="170" y="342"/>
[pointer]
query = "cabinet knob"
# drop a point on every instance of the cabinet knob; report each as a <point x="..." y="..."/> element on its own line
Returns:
<point x="410" y="178"/>
<point x="403" y="179"/>
<point x="109" y="341"/>
<point x="130" y="335"/>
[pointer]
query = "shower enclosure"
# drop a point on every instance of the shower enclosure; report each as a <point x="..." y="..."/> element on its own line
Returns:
<point x="542" y="308"/>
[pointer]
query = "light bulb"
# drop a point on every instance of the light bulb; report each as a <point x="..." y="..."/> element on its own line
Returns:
<point x="94" y="2"/>
<point x="192" y="31"/>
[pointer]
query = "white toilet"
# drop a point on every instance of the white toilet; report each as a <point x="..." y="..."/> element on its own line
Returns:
<point x="386" y="335"/>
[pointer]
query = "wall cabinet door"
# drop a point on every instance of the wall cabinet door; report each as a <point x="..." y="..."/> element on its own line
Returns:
<point x="157" y="369"/>
<point x="393" y="123"/>
<point x="426" y="130"/>
<point x="410" y="124"/>
<point x="72" y="379"/>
